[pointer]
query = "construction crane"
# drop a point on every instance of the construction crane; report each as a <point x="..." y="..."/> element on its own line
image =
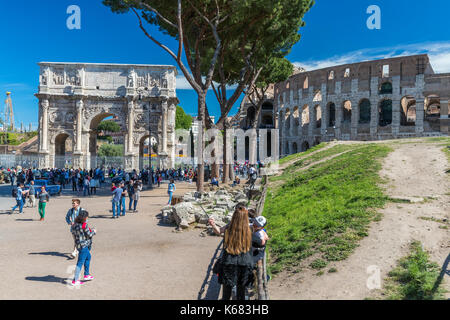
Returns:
<point x="9" y="114"/>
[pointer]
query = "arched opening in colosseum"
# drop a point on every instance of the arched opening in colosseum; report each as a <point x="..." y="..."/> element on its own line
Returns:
<point x="432" y="107"/>
<point x="331" y="108"/>
<point x="294" y="148"/>
<point x="287" y="120"/>
<point x="407" y="111"/>
<point x="305" y="146"/>
<point x="295" y="121"/>
<point x="331" y="75"/>
<point x="305" y="119"/>
<point x="385" y="113"/>
<point x="317" y="96"/>
<point x="386" y="88"/>
<point x="318" y="112"/>
<point x="287" y="152"/>
<point x="364" y="111"/>
<point x="269" y="143"/>
<point x="347" y="108"/>
<point x="251" y="114"/>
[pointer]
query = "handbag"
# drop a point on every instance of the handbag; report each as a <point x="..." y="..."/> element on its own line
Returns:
<point x="218" y="267"/>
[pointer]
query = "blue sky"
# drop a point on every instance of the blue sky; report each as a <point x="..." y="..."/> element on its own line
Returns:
<point x="335" y="33"/>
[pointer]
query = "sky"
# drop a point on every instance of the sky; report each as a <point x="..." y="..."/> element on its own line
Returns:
<point x="336" y="33"/>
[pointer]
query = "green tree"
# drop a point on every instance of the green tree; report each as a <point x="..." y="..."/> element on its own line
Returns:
<point x="182" y="120"/>
<point x="108" y="126"/>
<point x="110" y="150"/>
<point x="247" y="28"/>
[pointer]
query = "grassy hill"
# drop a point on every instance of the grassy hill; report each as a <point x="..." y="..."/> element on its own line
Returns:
<point x="319" y="215"/>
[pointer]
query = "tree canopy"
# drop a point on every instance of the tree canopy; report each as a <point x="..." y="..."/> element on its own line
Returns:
<point x="182" y="120"/>
<point x="108" y="126"/>
<point x="110" y="150"/>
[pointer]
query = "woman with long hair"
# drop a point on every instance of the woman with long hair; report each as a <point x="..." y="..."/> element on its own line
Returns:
<point x="237" y="262"/>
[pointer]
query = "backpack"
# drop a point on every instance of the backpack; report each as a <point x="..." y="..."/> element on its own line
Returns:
<point x="14" y="192"/>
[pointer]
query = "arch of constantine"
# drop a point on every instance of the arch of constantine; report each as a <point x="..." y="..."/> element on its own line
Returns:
<point x="374" y="100"/>
<point x="75" y="97"/>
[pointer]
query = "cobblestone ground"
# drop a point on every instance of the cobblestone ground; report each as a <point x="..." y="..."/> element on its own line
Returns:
<point x="134" y="257"/>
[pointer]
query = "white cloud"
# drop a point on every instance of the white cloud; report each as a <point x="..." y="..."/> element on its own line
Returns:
<point x="439" y="53"/>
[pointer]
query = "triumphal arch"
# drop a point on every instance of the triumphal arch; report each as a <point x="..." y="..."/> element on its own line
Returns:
<point x="75" y="97"/>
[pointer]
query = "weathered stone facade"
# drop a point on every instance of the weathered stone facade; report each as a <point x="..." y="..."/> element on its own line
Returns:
<point x="374" y="100"/>
<point x="75" y="97"/>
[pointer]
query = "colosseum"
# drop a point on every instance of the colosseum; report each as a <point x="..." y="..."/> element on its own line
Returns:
<point x="374" y="100"/>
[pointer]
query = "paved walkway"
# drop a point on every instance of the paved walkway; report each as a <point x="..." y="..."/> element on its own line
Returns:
<point x="134" y="257"/>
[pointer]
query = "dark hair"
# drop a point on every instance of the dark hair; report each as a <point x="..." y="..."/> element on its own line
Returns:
<point x="172" y="181"/>
<point x="252" y="213"/>
<point x="82" y="216"/>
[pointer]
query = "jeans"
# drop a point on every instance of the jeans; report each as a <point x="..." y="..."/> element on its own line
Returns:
<point x="240" y="292"/>
<point x="116" y="208"/>
<point x="170" y="196"/>
<point x="122" y="207"/>
<point x="42" y="209"/>
<point x="86" y="188"/>
<point x="131" y="202"/>
<point x="18" y="205"/>
<point x="135" y="205"/>
<point x="84" y="258"/>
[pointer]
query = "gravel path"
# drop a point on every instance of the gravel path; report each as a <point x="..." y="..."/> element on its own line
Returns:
<point x="134" y="257"/>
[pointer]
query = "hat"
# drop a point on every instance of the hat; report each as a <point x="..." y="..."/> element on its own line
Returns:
<point x="260" y="222"/>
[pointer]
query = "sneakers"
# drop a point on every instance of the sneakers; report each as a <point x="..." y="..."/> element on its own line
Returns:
<point x="88" y="278"/>
<point x="77" y="283"/>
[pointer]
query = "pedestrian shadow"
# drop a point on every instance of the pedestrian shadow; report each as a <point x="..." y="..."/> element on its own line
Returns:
<point x="101" y="217"/>
<point x="24" y="220"/>
<point x="49" y="278"/>
<point x="211" y="283"/>
<point x="444" y="271"/>
<point x="53" y="254"/>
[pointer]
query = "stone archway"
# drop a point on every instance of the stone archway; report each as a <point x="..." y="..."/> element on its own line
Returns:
<point x="63" y="148"/>
<point x="143" y="97"/>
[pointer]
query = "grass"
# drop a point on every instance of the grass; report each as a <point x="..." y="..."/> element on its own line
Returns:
<point x="415" y="277"/>
<point x="325" y="210"/>
<point x="305" y="161"/>
<point x="302" y="154"/>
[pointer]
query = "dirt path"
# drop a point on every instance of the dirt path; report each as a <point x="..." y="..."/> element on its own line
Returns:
<point x="412" y="170"/>
<point x="133" y="257"/>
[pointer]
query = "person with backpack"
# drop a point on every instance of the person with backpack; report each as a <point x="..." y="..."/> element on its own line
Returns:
<point x="31" y="195"/>
<point x="19" y="194"/>
<point x="116" y="191"/>
<point x="70" y="219"/>
<point x="82" y="236"/>
<point x="170" y="190"/>
<point x="43" y="199"/>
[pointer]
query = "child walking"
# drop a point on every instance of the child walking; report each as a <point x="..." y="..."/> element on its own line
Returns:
<point x="82" y="236"/>
<point x="43" y="199"/>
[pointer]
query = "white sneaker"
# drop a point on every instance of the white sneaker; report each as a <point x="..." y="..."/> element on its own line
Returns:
<point x="77" y="283"/>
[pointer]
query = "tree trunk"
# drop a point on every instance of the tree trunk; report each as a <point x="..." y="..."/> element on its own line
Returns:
<point x="201" y="142"/>
<point x="226" y="167"/>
